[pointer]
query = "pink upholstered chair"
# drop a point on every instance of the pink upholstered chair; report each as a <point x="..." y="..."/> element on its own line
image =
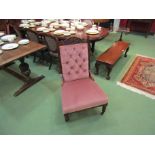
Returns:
<point x="79" y="90"/>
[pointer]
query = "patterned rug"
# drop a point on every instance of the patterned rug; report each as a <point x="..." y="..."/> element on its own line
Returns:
<point x="140" y="77"/>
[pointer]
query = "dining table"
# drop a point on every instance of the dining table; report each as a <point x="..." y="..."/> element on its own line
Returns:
<point x="80" y="33"/>
<point x="8" y="57"/>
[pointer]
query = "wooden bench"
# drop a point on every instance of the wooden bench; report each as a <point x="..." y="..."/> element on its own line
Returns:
<point x="111" y="56"/>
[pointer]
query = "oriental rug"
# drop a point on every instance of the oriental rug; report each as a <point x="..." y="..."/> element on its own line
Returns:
<point x="140" y="77"/>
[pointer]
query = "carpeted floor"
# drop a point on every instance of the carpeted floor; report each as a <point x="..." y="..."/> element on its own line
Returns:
<point x="38" y="110"/>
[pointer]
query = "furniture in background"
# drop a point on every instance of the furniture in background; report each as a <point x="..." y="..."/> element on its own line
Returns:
<point x="145" y="26"/>
<point x="106" y="23"/>
<point x="79" y="90"/>
<point x="111" y="56"/>
<point x="123" y="30"/>
<point x="33" y="36"/>
<point x="7" y="57"/>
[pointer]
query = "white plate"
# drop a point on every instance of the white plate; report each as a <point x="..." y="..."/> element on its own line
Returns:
<point x="52" y="29"/>
<point x="2" y="33"/>
<point x="46" y="30"/>
<point x="37" y="23"/>
<point x="72" y="32"/>
<point x="8" y="37"/>
<point x="59" y="32"/>
<point x="32" y="26"/>
<point x="23" y="42"/>
<point x="10" y="46"/>
<point x="84" y="23"/>
<point x="41" y="28"/>
<point x="67" y="33"/>
<point x="92" y="31"/>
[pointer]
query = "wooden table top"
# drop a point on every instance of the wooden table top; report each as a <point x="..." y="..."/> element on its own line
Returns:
<point x="111" y="55"/>
<point x="22" y="50"/>
<point x="79" y="33"/>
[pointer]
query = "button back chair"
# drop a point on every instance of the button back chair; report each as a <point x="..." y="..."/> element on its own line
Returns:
<point x="79" y="90"/>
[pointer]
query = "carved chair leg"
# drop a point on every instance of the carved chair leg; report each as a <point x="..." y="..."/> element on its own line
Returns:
<point x="97" y="67"/>
<point x="125" y="55"/>
<point x="66" y="117"/>
<point x="34" y="57"/>
<point x="103" y="109"/>
<point x="50" y="63"/>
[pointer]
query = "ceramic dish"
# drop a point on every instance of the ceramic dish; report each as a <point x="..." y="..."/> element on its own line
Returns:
<point x="92" y="31"/>
<point x="9" y="37"/>
<point x="23" y="42"/>
<point x="10" y="46"/>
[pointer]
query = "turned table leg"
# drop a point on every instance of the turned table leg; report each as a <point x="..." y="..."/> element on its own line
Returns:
<point x="125" y="55"/>
<point x="93" y="46"/>
<point x="24" y="76"/>
<point x="97" y="64"/>
<point x="120" y="39"/>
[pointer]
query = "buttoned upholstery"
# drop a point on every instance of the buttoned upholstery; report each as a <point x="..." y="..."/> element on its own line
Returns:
<point x="74" y="59"/>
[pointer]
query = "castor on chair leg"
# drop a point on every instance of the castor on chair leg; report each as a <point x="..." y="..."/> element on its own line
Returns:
<point x="103" y="109"/>
<point x="66" y="117"/>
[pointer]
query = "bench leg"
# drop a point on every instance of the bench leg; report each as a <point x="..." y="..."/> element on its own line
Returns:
<point x="109" y="68"/>
<point x="125" y="55"/>
<point x="97" y="64"/>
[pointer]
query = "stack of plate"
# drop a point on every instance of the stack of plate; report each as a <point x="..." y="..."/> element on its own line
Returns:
<point x="59" y="32"/>
<point x="41" y="28"/>
<point x="92" y="31"/>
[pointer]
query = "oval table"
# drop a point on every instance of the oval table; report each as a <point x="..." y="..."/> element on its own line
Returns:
<point x="92" y="38"/>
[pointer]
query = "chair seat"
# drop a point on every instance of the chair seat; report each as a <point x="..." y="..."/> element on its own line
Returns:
<point x="81" y="94"/>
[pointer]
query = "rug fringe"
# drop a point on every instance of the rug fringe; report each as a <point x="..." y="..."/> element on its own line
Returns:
<point x="136" y="90"/>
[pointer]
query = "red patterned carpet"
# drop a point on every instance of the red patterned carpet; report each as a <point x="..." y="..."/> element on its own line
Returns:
<point x="141" y="76"/>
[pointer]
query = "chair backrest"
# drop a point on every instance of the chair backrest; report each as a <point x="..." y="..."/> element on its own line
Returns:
<point x="74" y="60"/>
<point x="52" y="43"/>
<point x="17" y="31"/>
<point x="32" y="35"/>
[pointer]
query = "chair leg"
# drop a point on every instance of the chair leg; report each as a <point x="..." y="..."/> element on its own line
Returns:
<point x="34" y="57"/>
<point x="66" y="117"/>
<point x="50" y="66"/>
<point x="50" y="63"/>
<point x="103" y="108"/>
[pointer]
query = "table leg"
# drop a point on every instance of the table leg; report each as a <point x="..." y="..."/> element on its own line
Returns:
<point x="125" y="55"/>
<point x="24" y="76"/>
<point x="120" y="39"/>
<point x="93" y="46"/>
<point x="97" y="64"/>
<point x="109" y="68"/>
